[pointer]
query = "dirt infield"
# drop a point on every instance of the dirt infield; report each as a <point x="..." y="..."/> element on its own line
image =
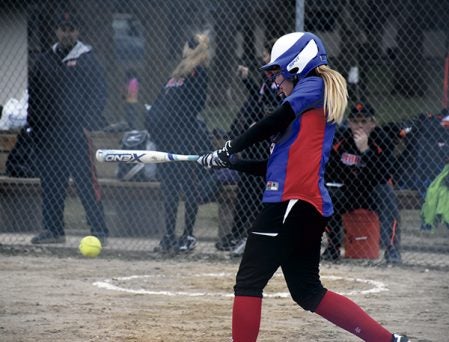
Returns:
<point x="51" y="298"/>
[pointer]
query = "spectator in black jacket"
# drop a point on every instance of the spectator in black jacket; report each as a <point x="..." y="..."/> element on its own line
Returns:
<point x="262" y="99"/>
<point x="67" y="96"/>
<point x="359" y="176"/>
<point x="174" y="126"/>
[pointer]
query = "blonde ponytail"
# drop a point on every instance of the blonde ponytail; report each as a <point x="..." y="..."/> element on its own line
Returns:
<point x="198" y="56"/>
<point x="335" y="93"/>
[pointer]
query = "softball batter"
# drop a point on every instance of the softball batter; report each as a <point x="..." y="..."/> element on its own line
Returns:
<point x="296" y="204"/>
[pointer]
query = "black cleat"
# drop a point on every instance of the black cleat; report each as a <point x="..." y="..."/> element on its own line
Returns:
<point x="392" y="255"/>
<point x="227" y="243"/>
<point x="167" y="244"/>
<point x="48" y="237"/>
<point x="239" y="248"/>
<point x="187" y="243"/>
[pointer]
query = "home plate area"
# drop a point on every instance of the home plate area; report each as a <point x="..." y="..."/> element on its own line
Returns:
<point x="220" y="284"/>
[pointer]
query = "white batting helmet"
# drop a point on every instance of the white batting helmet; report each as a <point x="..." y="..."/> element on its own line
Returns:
<point x="296" y="54"/>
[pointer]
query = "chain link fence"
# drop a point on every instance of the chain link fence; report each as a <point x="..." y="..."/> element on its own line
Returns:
<point x="183" y="77"/>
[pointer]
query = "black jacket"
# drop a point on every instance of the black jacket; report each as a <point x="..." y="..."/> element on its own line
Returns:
<point x="67" y="95"/>
<point x="360" y="172"/>
<point x="173" y="120"/>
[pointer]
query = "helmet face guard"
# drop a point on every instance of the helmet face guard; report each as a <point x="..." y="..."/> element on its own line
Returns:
<point x="296" y="54"/>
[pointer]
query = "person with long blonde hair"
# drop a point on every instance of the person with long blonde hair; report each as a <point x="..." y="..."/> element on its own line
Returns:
<point x="195" y="53"/>
<point x="296" y="204"/>
<point x="174" y="126"/>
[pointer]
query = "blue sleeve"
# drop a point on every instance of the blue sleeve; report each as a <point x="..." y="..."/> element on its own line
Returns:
<point x="307" y="94"/>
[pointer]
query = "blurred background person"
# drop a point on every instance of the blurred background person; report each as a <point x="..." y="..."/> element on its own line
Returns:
<point x="360" y="164"/>
<point x="67" y="97"/>
<point x="174" y="125"/>
<point x="262" y="99"/>
<point x="131" y="97"/>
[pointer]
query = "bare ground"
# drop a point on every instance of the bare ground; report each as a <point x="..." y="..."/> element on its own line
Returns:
<point x="69" y="298"/>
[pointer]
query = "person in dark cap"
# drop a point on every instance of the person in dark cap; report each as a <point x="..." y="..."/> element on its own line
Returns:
<point x="361" y="109"/>
<point x="67" y="31"/>
<point x="67" y="95"/>
<point x="359" y="176"/>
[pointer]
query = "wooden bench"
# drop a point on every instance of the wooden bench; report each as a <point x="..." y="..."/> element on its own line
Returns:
<point x="131" y="208"/>
<point x="408" y="199"/>
<point x="100" y="140"/>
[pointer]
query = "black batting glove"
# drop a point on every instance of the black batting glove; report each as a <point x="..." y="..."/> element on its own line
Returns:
<point x="207" y="160"/>
<point x="212" y="161"/>
<point x="224" y="154"/>
<point x="218" y="159"/>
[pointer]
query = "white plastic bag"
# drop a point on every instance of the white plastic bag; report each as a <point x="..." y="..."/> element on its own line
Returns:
<point x="14" y="114"/>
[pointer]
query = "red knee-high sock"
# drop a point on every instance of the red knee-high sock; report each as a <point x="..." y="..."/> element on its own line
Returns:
<point x="349" y="316"/>
<point x="246" y="318"/>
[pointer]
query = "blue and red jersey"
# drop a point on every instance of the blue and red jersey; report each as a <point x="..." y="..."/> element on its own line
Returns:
<point x="299" y="155"/>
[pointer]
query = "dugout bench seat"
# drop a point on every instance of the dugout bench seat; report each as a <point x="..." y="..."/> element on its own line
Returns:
<point x="131" y="208"/>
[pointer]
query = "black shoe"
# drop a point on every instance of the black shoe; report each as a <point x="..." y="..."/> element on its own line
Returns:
<point x="167" y="244"/>
<point x="187" y="243"/>
<point x="331" y="254"/>
<point x="227" y="243"/>
<point x="239" y="248"/>
<point x="392" y="255"/>
<point x="400" y="338"/>
<point x="47" y="237"/>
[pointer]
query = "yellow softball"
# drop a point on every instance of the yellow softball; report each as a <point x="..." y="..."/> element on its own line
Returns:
<point x="90" y="246"/>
